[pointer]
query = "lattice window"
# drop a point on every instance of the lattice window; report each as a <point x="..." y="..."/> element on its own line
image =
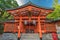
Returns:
<point x="42" y="26"/>
<point x="9" y="27"/>
<point x="50" y="27"/>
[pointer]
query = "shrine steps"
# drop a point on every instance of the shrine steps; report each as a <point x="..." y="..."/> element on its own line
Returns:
<point x="29" y="36"/>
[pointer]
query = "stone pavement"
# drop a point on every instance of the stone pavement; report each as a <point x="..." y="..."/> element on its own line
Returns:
<point x="30" y="36"/>
<point x="11" y="36"/>
<point x="0" y="37"/>
<point x="47" y="36"/>
<point x="8" y="36"/>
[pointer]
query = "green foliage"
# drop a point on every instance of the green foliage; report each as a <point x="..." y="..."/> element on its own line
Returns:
<point x="6" y="4"/>
<point x="55" y="15"/>
<point x="5" y="16"/>
<point x="1" y="28"/>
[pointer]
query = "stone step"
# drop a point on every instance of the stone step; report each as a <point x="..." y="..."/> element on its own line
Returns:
<point x="30" y="36"/>
<point x="24" y="36"/>
<point x="29" y="39"/>
<point x="47" y="36"/>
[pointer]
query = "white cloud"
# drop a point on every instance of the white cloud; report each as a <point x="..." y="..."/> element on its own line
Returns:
<point x="19" y="2"/>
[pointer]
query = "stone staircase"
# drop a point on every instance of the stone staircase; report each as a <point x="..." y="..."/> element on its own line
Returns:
<point x="24" y="36"/>
<point x="29" y="36"/>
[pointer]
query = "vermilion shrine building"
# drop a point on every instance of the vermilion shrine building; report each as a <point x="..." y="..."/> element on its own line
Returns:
<point x="30" y="19"/>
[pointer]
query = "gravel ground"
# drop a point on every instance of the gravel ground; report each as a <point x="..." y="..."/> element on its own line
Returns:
<point x="8" y="36"/>
<point x="0" y="37"/>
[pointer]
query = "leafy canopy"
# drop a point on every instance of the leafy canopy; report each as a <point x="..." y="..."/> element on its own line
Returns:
<point x="6" y="4"/>
<point x="55" y="15"/>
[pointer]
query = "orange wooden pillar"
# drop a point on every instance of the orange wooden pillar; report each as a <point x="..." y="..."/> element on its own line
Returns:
<point x="4" y="27"/>
<point x="39" y="27"/>
<point x="19" y="29"/>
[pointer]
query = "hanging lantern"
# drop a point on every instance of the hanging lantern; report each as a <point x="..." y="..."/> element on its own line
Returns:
<point x="25" y="22"/>
<point x="34" y="23"/>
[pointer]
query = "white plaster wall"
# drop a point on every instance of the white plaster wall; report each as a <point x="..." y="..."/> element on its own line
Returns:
<point x="57" y="27"/>
<point x="58" y="30"/>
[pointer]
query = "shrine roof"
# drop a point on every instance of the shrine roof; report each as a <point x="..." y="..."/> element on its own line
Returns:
<point x="46" y="4"/>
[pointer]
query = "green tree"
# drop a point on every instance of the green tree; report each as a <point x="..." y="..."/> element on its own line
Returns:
<point x="6" y="4"/>
<point x="55" y="15"/>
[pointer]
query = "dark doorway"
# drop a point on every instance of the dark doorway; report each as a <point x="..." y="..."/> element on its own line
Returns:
<point x="29" y="31"/>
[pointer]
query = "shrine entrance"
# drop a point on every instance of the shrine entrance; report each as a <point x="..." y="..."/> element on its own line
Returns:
<point x="29" y="26"/>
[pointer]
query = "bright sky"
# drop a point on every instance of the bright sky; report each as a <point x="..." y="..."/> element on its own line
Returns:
<point x="19" y="3"/>
<point x="59" y="1"/>
<point x="42" y="3"/>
